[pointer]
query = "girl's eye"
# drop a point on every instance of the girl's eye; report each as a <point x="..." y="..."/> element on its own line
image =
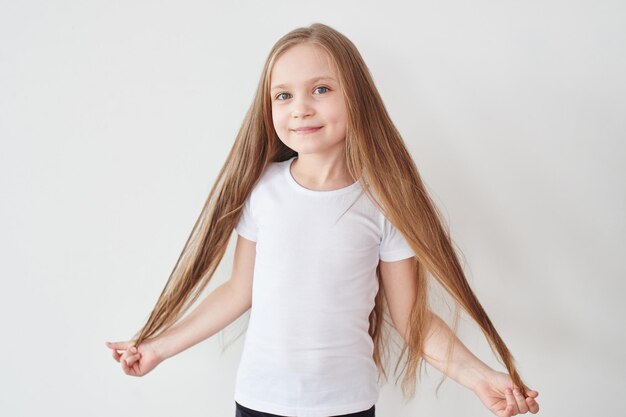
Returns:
<point x="280" y="94"/>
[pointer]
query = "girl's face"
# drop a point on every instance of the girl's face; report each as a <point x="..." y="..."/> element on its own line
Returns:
<point x="304" y="92"/>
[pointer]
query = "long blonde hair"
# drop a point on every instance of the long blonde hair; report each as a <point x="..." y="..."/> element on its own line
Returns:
<point x="377" y="157"/>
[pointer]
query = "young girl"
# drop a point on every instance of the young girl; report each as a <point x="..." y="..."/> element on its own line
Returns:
<point x="334" y="227"/>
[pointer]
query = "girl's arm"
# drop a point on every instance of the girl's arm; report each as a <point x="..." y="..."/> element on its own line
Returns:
<point x="492" y="388"/>
<point x="398" y="279"/>
<point x="214" y="313"/>
<point x="220" y="308"/>
<point x="464" y="368"/>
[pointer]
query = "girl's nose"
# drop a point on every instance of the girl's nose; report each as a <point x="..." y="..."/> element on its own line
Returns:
<point x="302" y="107"/>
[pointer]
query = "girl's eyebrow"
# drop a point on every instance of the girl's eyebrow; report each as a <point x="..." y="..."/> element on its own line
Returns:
<point x="312" y="80"/>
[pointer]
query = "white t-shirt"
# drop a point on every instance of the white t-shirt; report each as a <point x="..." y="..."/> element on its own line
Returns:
<point x="307" y="351"/>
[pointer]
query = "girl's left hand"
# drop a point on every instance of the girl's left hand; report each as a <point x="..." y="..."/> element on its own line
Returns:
<point x="504" y="400"/>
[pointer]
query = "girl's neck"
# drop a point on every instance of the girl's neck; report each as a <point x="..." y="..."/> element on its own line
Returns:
<point x="320" y="174"/>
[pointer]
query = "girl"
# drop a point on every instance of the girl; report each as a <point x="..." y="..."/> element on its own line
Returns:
<point x="334" y="227"/>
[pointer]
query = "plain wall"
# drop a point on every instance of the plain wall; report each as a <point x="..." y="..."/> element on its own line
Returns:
<point x="116" y="116"/>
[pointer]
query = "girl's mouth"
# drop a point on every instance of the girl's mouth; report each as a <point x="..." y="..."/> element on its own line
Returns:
<point x="307" y="130"/>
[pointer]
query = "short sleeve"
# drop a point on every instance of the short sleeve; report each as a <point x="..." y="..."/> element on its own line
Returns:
<point x="246" y="226"/>
<point x="393" y="246"/>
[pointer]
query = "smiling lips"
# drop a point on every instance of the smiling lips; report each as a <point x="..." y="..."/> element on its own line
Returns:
<point x="307" y="129"/>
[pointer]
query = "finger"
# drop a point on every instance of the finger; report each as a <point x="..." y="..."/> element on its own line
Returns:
<point x="532" y="405"/>
<point x="132" y="359"/>
<point x="124" y="357"/>
<point x="115" y="346"/>
<point x="511" y="404"/>
<point x="118" y="345"/>
<point x="532" y="393"/>
<point x="521" y="401"/>
<point x="116" y="355"/>
<point x="124" y="364"/>
<point x="508" y="411"/>
<point x="126" y="347"/>
<point x="136" y="366"/>
<point x="127" y="364"/>
<point x="133" y="365"/>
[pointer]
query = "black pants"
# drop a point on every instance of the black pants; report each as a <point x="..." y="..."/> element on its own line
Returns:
<point x="242" y="411"/>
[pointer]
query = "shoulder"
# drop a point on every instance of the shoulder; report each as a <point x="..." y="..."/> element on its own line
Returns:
<point x="269" y="179"/>
<point x="270" y="174"/>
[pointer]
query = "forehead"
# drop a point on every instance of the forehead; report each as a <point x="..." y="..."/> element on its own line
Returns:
<point x="301" y="64"/>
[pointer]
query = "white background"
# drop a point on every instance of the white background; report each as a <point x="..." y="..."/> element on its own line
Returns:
<point x="115" y="117"/>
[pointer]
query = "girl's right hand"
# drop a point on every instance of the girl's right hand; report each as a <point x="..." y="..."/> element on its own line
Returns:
<point x="136" y="361"/>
